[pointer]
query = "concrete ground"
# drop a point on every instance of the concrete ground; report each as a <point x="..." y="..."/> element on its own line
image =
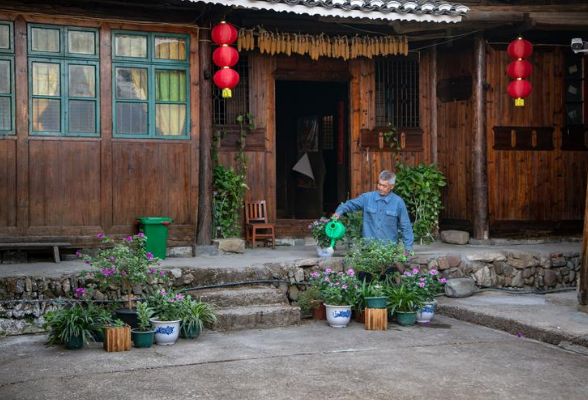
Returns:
<point x="447" y="359"/>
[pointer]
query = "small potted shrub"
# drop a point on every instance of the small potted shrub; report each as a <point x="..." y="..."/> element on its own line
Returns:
<point x="373" y="259"/>
<point x="167" y="307"/>
<point x="71" y="325"/>
<point x="376" y="298"/>
<point x="428" y="285"/>
<point x="311" y="303"/>
<point x="117" y="336"/>
<point x="323" y="242"/>
<point x="194" y="315"/>
<point x="143" y="334"/>
<point x="102" y="318"/>
<point x="404" y="303"/>
<point x="339" y="292"/>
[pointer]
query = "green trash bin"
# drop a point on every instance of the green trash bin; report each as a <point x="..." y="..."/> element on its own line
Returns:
<point x="155" y="228"/>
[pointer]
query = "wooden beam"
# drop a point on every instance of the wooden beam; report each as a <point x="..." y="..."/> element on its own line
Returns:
<point x="205" y="205"/>
<point x="583" y="276"/>
<point x="433" y="102"/>
<point x="106" y="209"/>
<point x="480" y="177"/>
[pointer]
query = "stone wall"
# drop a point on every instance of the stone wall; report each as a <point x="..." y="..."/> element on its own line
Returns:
<point x="513" y="270"/>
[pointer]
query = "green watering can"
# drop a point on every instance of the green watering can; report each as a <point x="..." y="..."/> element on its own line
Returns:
<point x="335" y="230"/>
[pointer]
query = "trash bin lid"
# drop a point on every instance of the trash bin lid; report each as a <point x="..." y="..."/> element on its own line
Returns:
<point x="154" y="220"/>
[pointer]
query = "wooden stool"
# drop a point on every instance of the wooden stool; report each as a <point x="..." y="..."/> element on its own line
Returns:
<point x="376" y="319"/>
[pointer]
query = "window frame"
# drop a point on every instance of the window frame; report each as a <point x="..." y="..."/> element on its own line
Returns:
<point x="12" y="130"/>
<point x="10" y="49"/>
<point x="151" y="64"/>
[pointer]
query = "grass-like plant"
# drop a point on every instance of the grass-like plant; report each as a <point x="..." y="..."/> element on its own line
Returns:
<point x="402" y="299"/>
<point x="69" y="323"/>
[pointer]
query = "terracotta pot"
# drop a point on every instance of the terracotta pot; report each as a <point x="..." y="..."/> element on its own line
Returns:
<point x="360" y="316"/>
<point x="319" y="313"/>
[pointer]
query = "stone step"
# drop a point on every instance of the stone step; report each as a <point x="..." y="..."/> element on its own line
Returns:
<point x="241" y="296"/>
<point x="237" y="318"/>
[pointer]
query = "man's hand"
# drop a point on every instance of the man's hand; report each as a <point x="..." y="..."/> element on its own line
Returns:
<point x="335" y="216"/>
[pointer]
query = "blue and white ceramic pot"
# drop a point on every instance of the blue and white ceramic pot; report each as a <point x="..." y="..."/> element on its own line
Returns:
<point x="166" y="332"/>
<point x="425" y="314"/>
<point x="338" y="316"/>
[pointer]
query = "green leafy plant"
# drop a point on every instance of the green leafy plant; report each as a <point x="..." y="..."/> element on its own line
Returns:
<point x="402" y="298"/>
<point x="317" y="229"/>
<point x="124" y="265"/>
<point x="426" y="284"/>
<point x="194" y="314"/>
<point x="353" y="225"/>
<point x="376" y="256"/>
<point x="420" y="188"/>
<point x="230" y="183"/>
<point x="144" y="313"/>
<point x="166" y="305"/>
<point x="309" y="300"/>
<point x="336" y="288"/>
<point x="67" y="323"/>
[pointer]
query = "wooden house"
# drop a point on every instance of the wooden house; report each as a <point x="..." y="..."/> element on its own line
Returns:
<point x="107" y="111"/>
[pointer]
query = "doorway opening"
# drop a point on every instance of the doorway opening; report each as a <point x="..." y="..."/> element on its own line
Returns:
<point x="312" y="148"/>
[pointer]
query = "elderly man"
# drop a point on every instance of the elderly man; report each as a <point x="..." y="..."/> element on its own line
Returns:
<point x="384" y="213"/>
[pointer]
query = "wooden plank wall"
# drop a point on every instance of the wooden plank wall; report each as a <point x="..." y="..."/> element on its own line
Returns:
<point x="532" y="185"/>
<point x="71" y="188"/>
<point x="454" y="144"/>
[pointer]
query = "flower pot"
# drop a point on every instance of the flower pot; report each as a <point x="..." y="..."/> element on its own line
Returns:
<point x="425" y="314"/>
<point x="142" y="339"/>
<point x="191" y="332"/>
<point x="407" y="318"/>
<point x="166" y="332"/>
<point x="117" y="338"/>
<point x="325" y="251"/>
<point x="128" y="316"/>
<point x="319" y="312"/>
<point x="376" y="302"/>
<point x="75" y="343"/>
<point x="338" y="316"/>
<point x="360" y="316"/>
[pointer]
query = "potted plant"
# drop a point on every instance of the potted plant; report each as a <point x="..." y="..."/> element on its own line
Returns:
<point x="71" y="325"/>
<point x="339" y="292"/>
<point x="376" y="298"/>
<point x="194" y="314"/>
<point x="143" y="334"/>
<point x="404" y="303"/>
<point x="123" y="266"/>
<point x="117" y="336"/>
<point x="102" y="317"/>
<point x="428" y="285"/>
<point x="167" y="315"/>
<point x="311" y="303"/>
<point x="373" y="259"/>
<point x="317" y="229"/>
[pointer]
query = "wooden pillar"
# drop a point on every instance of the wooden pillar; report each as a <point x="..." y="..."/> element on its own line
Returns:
<point x="480" y="177"/>
<point x="204" y="230"/>
<point x="433" y="102"/>
<point x="583" y="276"/>
<point x="106" y="211"/>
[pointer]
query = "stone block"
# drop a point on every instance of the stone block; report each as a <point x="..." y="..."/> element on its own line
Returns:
<point x="455" y="237"/>
<point x="208" y="250"/>
<point x="460" y="287"/>
<point x="550" y="278"/>
<point x="443" y="264"/>
<point x="453" y="260"/>
<point x="486" y="256"/>
<point x="180" y="251"/>
<point x="558" y="262"/>
<point x="293" y="293"/>
<point x="517" y="280"/>
<point x="521" y="260"/>
<point x="231" y="245"/>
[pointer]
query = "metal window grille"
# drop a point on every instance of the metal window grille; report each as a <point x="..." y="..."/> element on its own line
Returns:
<point x="227" y="110"/>
<point x="397" y="91"/>
<point x="328" y="141"/>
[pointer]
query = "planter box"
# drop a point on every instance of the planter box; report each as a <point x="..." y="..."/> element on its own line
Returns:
<point x="117" y="339"/>
<point x="376" y="319"/>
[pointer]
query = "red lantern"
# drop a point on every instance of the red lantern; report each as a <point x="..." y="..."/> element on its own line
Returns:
<point x="226" y="79"/>
<point x="225" y="56"/>
<point x="518" y="90"/>
<point x="519" y="69"/>
<point x="520" y="48"/>
<point x="224" y="33"/>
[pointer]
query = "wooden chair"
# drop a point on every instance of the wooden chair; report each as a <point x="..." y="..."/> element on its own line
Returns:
<point x="256" y="225"/>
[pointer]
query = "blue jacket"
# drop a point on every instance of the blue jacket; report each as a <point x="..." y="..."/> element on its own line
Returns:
<point x="383" y="216"/>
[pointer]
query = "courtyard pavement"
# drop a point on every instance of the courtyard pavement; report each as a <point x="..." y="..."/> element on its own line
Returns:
<point x="449" y="359"/>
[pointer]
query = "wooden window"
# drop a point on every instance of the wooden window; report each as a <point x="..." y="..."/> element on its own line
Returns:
<point x="397" y="91"/>
<point x="6" y="79"/>
<point x="575" y="129"/>
<point x="151" y="85"/>
<point x="63" y="80"/>
<point x="328" y="133"/>
<point x="227" y="110"/>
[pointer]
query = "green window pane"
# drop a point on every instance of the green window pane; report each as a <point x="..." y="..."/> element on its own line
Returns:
<point x="131" y="83"/>
<point x="82" y="81"/>
<point x="82" y="116"/>
<point x="45" y="40"/>
<point x="46" y="79"/>
<point x="170" y="119"/>
<point x="4" y="77"/>
<point x="130" y="46"/>
<point x="80" y="42"/>
<point x="4" y="37"/>
<point x="5" y="114"/>
<point x="170" y="85"/>
<point x="131" y="119"/>
<point x="170" y="48"/>
<point x="46" y="115"/>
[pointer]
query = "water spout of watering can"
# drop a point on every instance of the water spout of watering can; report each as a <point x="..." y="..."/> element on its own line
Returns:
<point x="335" y="230"/>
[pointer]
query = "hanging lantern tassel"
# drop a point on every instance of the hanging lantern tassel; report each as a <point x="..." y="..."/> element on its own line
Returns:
<point x="226" y="79"/>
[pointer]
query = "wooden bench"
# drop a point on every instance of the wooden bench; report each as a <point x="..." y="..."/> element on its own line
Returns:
<point x="25" y="246"/>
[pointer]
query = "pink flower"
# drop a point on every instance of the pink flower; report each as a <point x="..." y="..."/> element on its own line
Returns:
<point x="161" y="273"/>
<point x="123" y="272"/>
<point x="171" y="300"/>
<point x="343" y="287"/>
<point x="129" y="238"/>
<point x="328" y="271"/>
<point x="443" y="280"/>
<point x="422" y="284"/>
<point x="151" y="271"/>
<point x="423" y="279"/>
<point x="415" y="270"/>
<point x="163" y="292"/>
<point x="340" y="273"/>
<point x="79" y="292"/>
<point x="408" y="274"/>
<point x="350" y="272"/>
<point x="315" y="223"/>
<point x="141" y="234"/>
<point x="100" y="235"/>
<point x="327" y="279"/>
<point x="314" y="274"/>
<point x="337" y="283"/>
<point x="78" y="254"/>
<point x="433" y="272"/>
<point x="179" y="296"/>
<point x="86" y="262"/>
<point x="149" y="256"/>
<point x="310" y="226"/>
<point x="112" y="259"/>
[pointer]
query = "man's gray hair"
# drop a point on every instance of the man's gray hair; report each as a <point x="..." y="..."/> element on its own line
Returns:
<point x="388" y="176"/>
